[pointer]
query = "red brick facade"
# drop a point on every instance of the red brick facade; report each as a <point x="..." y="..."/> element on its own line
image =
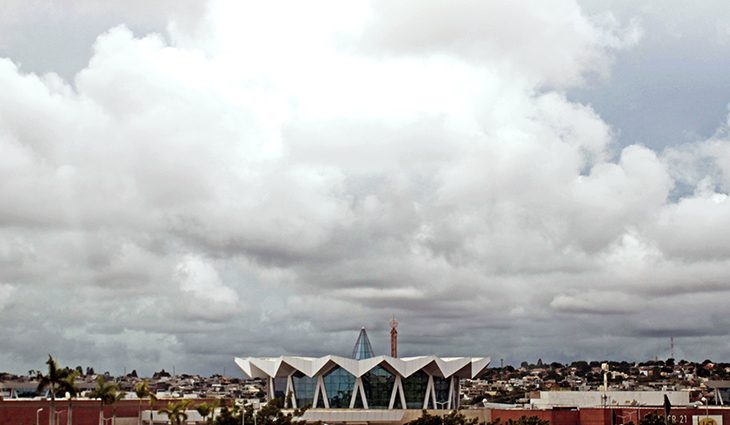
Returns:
<point x="85" y="412"/>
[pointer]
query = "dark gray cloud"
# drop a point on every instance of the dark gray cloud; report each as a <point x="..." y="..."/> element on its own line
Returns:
<point x="247" y="182"/>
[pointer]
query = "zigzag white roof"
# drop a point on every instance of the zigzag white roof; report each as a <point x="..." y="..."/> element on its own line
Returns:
<point x="263" y="367"/>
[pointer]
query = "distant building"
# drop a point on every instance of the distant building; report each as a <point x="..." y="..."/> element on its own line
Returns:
<point x="364" y="381"/>
<point x="548" y="399"/>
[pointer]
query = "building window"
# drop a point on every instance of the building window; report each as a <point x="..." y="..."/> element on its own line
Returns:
<point x="414" y="388"/>
<point x="280" y="388"/>
<point x="441" y="387"/>
<point x="378" y="384"/>
<point x="339" y="384"/>
<point x="304" y="389"/>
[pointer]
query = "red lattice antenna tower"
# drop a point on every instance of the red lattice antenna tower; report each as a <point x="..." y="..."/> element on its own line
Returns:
<point x="393" y="337"/>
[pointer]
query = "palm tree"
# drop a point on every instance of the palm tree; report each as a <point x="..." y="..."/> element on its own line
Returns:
<point x="54" y="381"/>
<point x="175" y="412"/>
<point x="142" y="390"/>
<point x="205" y="409"/>
<point x="213" y="405"/>
<point x="113" y="401"/>
<point x="151" y="402"/>
<point x="70" y="388"/>
<point x="106" y="392"/>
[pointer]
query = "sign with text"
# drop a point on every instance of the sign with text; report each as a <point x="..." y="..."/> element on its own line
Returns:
<point x="707" y="420"/>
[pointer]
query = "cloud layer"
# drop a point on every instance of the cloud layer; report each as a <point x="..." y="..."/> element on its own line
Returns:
<point x="272" y="177"/>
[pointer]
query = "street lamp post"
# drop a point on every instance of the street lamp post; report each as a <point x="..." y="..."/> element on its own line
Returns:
<point x="37" y="415"/>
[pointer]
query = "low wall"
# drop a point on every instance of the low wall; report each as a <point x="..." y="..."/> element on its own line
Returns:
<point x="85" y="412"/>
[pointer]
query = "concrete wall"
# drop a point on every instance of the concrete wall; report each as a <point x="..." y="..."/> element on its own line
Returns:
<point x="615" y="398"/>
<point x="85" y="412"/>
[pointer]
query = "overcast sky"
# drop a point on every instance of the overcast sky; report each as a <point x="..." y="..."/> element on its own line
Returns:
<point x="183" y="182"/>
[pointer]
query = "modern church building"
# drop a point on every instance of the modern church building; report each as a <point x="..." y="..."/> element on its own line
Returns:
<point x="365" y="381"/>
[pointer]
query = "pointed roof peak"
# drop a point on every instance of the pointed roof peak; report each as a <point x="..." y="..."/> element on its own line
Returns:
<point x="362" y="349"/>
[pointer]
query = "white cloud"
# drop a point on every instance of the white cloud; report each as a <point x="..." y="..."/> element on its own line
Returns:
<point x="311" y="172"/>
<point x="203" y="294"/>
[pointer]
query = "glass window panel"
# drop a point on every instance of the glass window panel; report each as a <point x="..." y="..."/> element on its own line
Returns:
<point x="414" y="388"/>
<point x="280" y="388"/>
<point x="339" y="385"/>
<point x="378" y="384"/>
<point x="358" y="402"/>
<point x="304" y="389"/>
<point x="441" y="385"/>
<point x="397" y="404"/>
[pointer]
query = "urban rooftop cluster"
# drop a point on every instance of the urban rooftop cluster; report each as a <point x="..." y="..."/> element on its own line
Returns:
<point x="513" y="385"/>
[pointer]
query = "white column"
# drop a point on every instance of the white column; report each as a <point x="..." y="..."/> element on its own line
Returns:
<point x="429" y="391"/>
<point x="271" y="388"/>
<point x="316" y="393"/>
<point x="393" y="393"/>
<point x="358" y="388"/>
<point x="290" y="390"/>
<point x="320" y="383"/>
<point x="362" y="394"/>
<point x="402" y="396"/>
<point x="397" y="391"/>
<point x="433" y="394"/>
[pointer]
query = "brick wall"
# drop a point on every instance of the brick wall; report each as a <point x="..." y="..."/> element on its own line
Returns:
<point x="85" y="412"/>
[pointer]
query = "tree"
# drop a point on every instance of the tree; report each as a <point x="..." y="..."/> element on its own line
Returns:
<point x="271" y="414"/>
<point x="151" y="403"/>
<point x="106" y="392"/>
<point x="70" y="388"/>
<point x="55" y="381"/>
<point x="229" y="417"/>
<point x="142" y="390"/>
<point x="213" y="405"/>
<point x="117" y="396"/>
<point x="652" y="419"/>
<point x="528" y="420"/>
<point x="204" y="410"/>
<point x="175" y="412"/>
<point x="452" y="418"/>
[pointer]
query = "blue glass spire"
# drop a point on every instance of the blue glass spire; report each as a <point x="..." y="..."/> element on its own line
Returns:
<point x="362" y="349"/>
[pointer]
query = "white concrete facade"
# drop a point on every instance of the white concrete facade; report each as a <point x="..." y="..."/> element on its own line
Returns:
<point x="549" y="399"/>
<point x="432" y="371"/>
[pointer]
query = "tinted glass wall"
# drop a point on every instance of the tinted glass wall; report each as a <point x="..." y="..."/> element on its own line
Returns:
<point x="441" y="386"/>
<point x="414" y="388"/>
<point x="378" y="384"/>
<point x="339" y="385"/>
<point x="304" y="389"/>
<point x="280" y="387"/>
